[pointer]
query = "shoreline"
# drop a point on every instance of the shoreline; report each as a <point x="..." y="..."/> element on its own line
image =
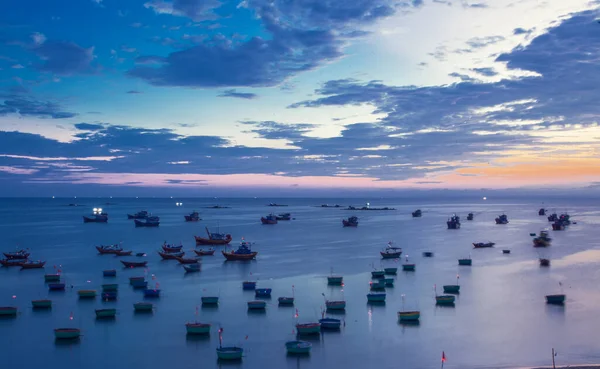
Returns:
<point x="576" y="366"/>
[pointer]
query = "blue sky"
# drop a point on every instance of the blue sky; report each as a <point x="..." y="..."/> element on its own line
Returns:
<point x="361" y="94"/>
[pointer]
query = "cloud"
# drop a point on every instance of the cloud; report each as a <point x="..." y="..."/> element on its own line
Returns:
<point x="481" y="42"/>
<point x="38" y="38"/>
<point x="488" y="72"/>
<point x="134" y="92"/>
<point x="239" y="95"/>
<point x="65" y="58"/>
<point x="522" y="31"/>
<point x="27" y="106"/>
<point x="197" y="10"/>
<point x="89" y="126"/>
<point x="16" y="170"/>
<point x="128" y="49"/>
<point x="17" y="66"/>
<point x="463" y="77"/>
<point x="474" y="5"/>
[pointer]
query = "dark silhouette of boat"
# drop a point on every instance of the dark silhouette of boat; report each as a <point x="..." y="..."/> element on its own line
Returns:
<point x="134" y="264"/>
<point x="269" y="219"/>
<point x="170" y="255"/>
<point x="368" y="208"/>
<point x="96" y="218"/>
<point x="20" y="254"/>
<point x="139" y="215"/>
<point x="274" y="204"/>
<point x="244" y="252"/>
<point x="542" y="212"/>
<point x="470" y="216"/>
<point x="502" y="219"/>
<point x="110" y="249"/>
<point x="151" y="221"/>
<point x="417" y="213"/>
<point x="350" y="222"/>
<point x="213" y="239"/>
<point x="481" y="245"/>
<point x="192" y="217"/>
<point x="12" y="262"/>
<point x="542" y="241"/>
<point x="284" y="216"/>
<point x="171" y="249"/>
<point x="453" y="222"/>
<point x="553" y="217"/>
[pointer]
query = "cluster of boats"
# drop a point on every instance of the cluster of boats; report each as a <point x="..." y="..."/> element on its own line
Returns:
<point x="21" y="259"/>
<point x="273" y="219"/>
<point x="141" y="219"/>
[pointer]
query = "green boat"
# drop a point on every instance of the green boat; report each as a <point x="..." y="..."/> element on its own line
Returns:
<point x="210" y="300"/>
<point x="555" y="299"/>
<point x="308" y="328"/>
<point x="257" y="305"/>
<point x="376" y="297"/>
<point x="110" y="287"/>
<point x="377" y="285"/>
<point x="230" y="353"/>
<point x="408" y="267"/>
<point x="298" y="347"/>
<point x="452" y="288"/>
<point x="390" y="271"/>
<point x="409" y="316"/>
<point x="8" y="311"/>
<point x="197" y="328"/>
<point x="286" y="301"/>
<point x="41" y="304"/>
<point x="389" y="282"/>
<point x="67" y="333"/>
<point x="52" y="277"/>
<point x="106" y="313"/>
<point x="377" y="274"/>
<point x="444" y="300"/>
<point x="86" y="294"/>
<point x="143" y="306"/>
<point x="335" y="280"/>
<point x="465" y="261"/>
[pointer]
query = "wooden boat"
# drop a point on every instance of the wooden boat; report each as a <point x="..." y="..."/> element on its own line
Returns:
<point x="109" y="295"/>
<point x="106" y="313"/>
<point x="110" y="287"/>
<point x="33" y="264"/>
<point x="335" y="280"/>
<point x="249" y="285"/>
<point x="391" y="252"/>
<point x="41" y="304"/>
<point x="20" y="254"/>
<point x="256" y="305"/>
<point x="453" y="222"/>
<point x="269" y="219"/>
<point x="298" y="347"/>
<point x="377" y="286"/>
<point x="110" y="249"/>
<point x="143" y="306"/>
<point x="335" y="305"/>
<point x="502" y="219"/>
<point x="544" y="262"/>
<point x="213" y="239"/>
<point x="244" y="252"/>
<point x="388" y="282"/>
<point x="139" y="215"/>
<point x="109" y="273"/>
<point x="330" y="323"/>
<point x="555" y="299"/>
<point x="171" y="249"/>
<point x="137" y="284"/>
<point x="409" y="316"/>
<point x="197" y="328"/>
<point x="86" y="294"/>
<point x="506" y="251"/>
<point x="308" y="328"/>
<point x="481" y="245"/>
<point x="427" y="254"/>
<point x="171" y="255"/>
<point x="451" y="288"/>
<point x="287" y="301"/>
<point x="52" y="277"/>
<point x="202" y="252"/>
<point x="134" y="264"/>
<point x="230" y="353"/>
<point x="187" y="260"/>
<point x="470" y="216"/>
<point x="96" y="218"/>
<point x="542" y="212"/>
<point x="8" y="311"/>
<point x="194" y="216"/>
<point x="468" y="261"/>
<point x="133" y="280"/>
<point x="376" y="297"/>
<point x="191" y="268"/>
<point x="390" y="271"/>
<point x="444" y="300"/>
<point x="378" y="274"/>
<point x="152" y="221"/>
<point x="13" y="262"/>
<point x="151" y="292"/>
<point x="408" y="267"/>
<point x="284" y="216"/>
<point x="210" y="300"/>
<point x="350" y="222"/>
<point x="123" y="253"/>
<point x="262" y="292"/>
<point x="56" y="286"/>
<point x="67" y="333"/>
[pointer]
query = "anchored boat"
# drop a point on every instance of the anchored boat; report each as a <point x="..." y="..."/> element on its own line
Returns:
<point x="56" y="286"/>
<point x="444" y="300"/>
<point x="330" y="324"/>
<point x="376" y="297"/>
<point x="543" y="240"/>
<point x="190" y="268"/>
<point x="109" y="273"/>
<point x="151" y="221"/>
<point x="470" y="216"/>
<point x="390" y="271"/>
<point x="187" y="260"/>
<point x="203" y="252"/>
<point x="335" y="305"/>
<point x="350" y="222"/>
<point x="197" y="328"/>
<point x="555" y="299"/>
<point x="308" y="328"/>
<point x="106" y="313"/>
<point x="244" y="252"/>
<point x="542" y="212"/>
<point x="8" y="311"/>
<point x="139" y="215"/>
<point x="409" y="316"/>
<point x="257" y="305"/>
<point x="481" y="245"/>
<point x="109" y="249"/>
<point x="298" y="347"/>
<point x="67" y="333"/>
<point x="13" y="262"/>
<point x="143" y="306"/>
<point x="194" y="216"/>
<point x="89" y="294"/>
<point x="468" y="261"/>
<point x="213" y="239"/>
<point x="96" y="218"/>
<point x="262" y="292"/>
<point x="172" y="249"/>
<point x="285" y="301"/>
<point x="230" y="353"/>
<point x="210" y="300"/>
<point x="502" y="219"/>
<point x="171" y="255"/>
<point x="151" y="292"/>
<point x="33" y="264"/>
<point x="41" y="304"/>
<point x="110" y="287"/>
<point x="52" y="277"/>
<point x="249" y="285"/>
<point x="391" y="252"/>
<point x="20" y="254"/>
<point x="269" y="219"/>
<point x="284" y="216"/>
<point x="134" y="264"/>
<point x="453" y="222"/>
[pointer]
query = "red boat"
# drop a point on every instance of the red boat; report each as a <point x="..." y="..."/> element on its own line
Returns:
<point x="110" y="249"/>
<point x="21" y="254"/>
<point x="12" y="262"/>
<point x="172" y="249"/>
<point x="171" y="255"/>
<point x="33" y="264"/>
<point x="123" y="253"/>
<point x="269" y="219"/>
<point x="213" y="239"/>
<point x="242" y="253"/>
<point x="205" y="252"/>
<point x="187" y="261"/>
<point x="134" y="264"/>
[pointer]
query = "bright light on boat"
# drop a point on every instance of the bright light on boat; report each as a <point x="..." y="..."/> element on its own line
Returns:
<point x="485" y="198"/>
<point x="95" y="210"/>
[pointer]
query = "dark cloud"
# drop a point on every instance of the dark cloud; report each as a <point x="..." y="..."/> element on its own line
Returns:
<point x="28" y="106"/>
<point x="89" y="126"/>
<point x="134" y="92"/>
<point x="488" y="72"/>
<point x="463" y="77"/>
<point x="522" y="31"/>
<point x="474" y="5"/>
<point x="239" y="95"/>
<point x="481" y="42"/>
<point x="274" y="130"/>
<point x="195" y="9"/>
<point x="65" y="58"/>
<point x="187" y="181"/>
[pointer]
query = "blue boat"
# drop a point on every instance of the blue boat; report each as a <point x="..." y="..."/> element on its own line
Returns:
<point x="230" y="353"/>
<point x="262" y="292"/>
<point x="249" y="285"/>
<point x="257" y="305"/>
<point x="56" y="286"/>
<point x="286" y="301"/>
<point x="151" y="292"/>
<point x="453" y="222"/>
<point x="210" y="300"/>
<point x="137" y="283"/>
<point x="330" y="323"/>
<point x="152" y="221"/>
<point x="109" y="273"/>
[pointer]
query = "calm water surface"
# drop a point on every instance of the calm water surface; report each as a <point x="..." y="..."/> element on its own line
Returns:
<point x="500" y="319"/>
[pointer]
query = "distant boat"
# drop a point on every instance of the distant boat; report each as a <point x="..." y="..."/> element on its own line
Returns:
<point x="408" y="267"/>
<point x="12" y="262"/>
<point x="109" y="273"/>
<point x="203" y="252"/>
<point x="553" y="217"/>
<point x="335" y="305"/>
<point x="555" y="299"/>
<point x="377" y="285"/>
<point x="56" y="286"/>
<point x="171" y="255"/>
<point x="8" y="311"/>
<point x="284" y="216"/>
<point x="444" y="300"/>
<point x="542" y="212"/>
<point x="409" y="316"/>
<point x="285" y="301"/>
<point x="230" y="353"/>
<point x="390" y="271"/>
<point x="192" y="217"/>
<point x="41" y="304"/>
<point x="151" y="221"/>
<point x="171" y="248"/>
<point x="417" y="213"/>
<point x="543" y="240"/>
<point x="33" y="264"/>
<point x="468" y="261"/>
<point x="123" y="253"/>
<point x="470" y="216"/>
<point x="190" y="268"/>
<point x="257" y="305"/>
<point x="558" y="226"/>
<point x="187" y="260"/>
<point x="453" y="222"/>
<point x="335" y="280"/>
<point x="389" y="282"/>
<point x="269" y="219"/>
<point x="106" y="313"/>
<point x="506" y="251"/>
<point x="451" y="288"/>
<point x="391" y="252"/>
<point x="262" y="292"/>
<point x="67" y="333"/>
<point x="96" y="218"/>
<point x="298" y="347"/>
<point x="249" y="285"/>
<point x="213" y="239"/>
<point x="330" y="323"/>
<point x="197" y="328"/>
<point x="20" y="254"/>
<point x="109" y="249"/>
<point x="210" y="300"/>
<point x="376" y="297"/>
<point x="244" y="252"/>
<point x="274" y="204"/>
<point x="544" y="262"/>
<point x="308" y="328"/>
<point x="86" y="294"/>
<point x="481" y="245"/>
<point x="143" y="306"/>
<point x="52" y="277"/>
<point x="502" y="219"/>
<point x="139" y="215"/>
<point x="427" y="254"/>
<point x="350" y="222"/>
<point x="378" y="274"/>
<point x="134" y="264"/>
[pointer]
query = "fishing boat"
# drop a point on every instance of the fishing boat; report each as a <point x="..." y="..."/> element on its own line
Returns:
<point x="110" y="287"/>
<point x="391" y="252"/>
<point x="134" y="264"/>
<point x="308" y="328"/>
<point x="171" y="255"/>
<point x="109" y="249"/>
<point x="52" y="277"/>
<point x="335" y="280"/>
<point x="544" y="262"/>
<point x="151" y="292"/>
<point x="230" y="353"/>
<point x="555" y="299"/>
<point x="376" y="297"/>
<point x="106" y="313"/>
<point x="388" y="282"/>
<point x="390" y="271"/>
<point x="96" y="218"/>
<point x="197" y="328"/>
<point x="269" y="219"/>
<point x="558" y="226"/>
<point x="133" y="280"/>
<point x="139" y="284"/>
<point x="244" y="252"/>
<point x="194" y="216"/>
<point x="203" y="252"/>
<point x="274" y="204"/>
<point x="67" y="333"/>
<point x="506" y="251"/>
<point x="256" y="305"/>
<point x="542" y="212"/>
<point x="543" y="240"/>
<point x="417" y="213"/>
<point x="427" y="254"/>
<point x="378" y="273"/>
<point x="143" y="306"/>
<point x="210" y="300"/>
<point x="298" y="347"/>
<point x="86" y="294"/>
<point x="565" y="219"/>
<point x="553" y="217"/>
<point x="350" y="222"/>
<point x="451" y="288"/>
<point x="481" y="245"/>
<point x="284" y="216"/>
<point x="213" y="239"/>
<point x="56" y="286"/>
<point x="139" y="215"/>
<point x="408" y="267"/>
<point x="377" y="285"/>
<point x="330" y="324"/>
<point x="41" y="304"/>
<point x="285" y="301"/>
<point x="109" y="295"/>
<point x="123" y="253"/>
<point x="262" y="292"/>
<point x="502" y="219"/>
<point x="470" y="216"/>
<point x="249" y="285"/>
<point x="8" y="311"/>
<point x="190" y="268"/>
<point x="444" y="300"/>
<point x="335" y="305"/>
<point x="171" y="248"/>
<point x="151" y="221"/>
<point x="20" y="254"/>
<point x="187" y="260"/>
<point x="453" y="222"/>
<point x="468" y="261"/>
<point x="409" y="316"/>
<point x="109" y="273"/>
<point x="13" y="262"/>
<point x="30" y="264"/>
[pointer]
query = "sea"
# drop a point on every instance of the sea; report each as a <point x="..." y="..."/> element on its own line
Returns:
<point x="499" y="320"/>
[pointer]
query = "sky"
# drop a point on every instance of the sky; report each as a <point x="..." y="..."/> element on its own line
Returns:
<point x="298" y="95"/>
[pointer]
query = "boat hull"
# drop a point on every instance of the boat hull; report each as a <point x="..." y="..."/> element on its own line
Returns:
<point x="140" y="223"/>
<point x="262" y="292"/>
<point x="106" y="313"/>
<point x="210" y="300"/>
<point x="390" y="255"/>
<point x="346" y="223"/>
<point x="230" y="353"/>
<point x="298" y="347"/>
<point x="409" y="316"/>
<point x="143" y="306"/>
<point x="452" y="288"/>
<point x="408" y="267"/>
<point x="304" y="329"/>
<point x="465" y="261"/>
<point x="41" y="304"/>
<point x="389" y="282"/>
<point x="230" y="256"/>
<point x="376" y="297"/>
<point x="52" y="277"/>
<point x="109" y="273"/>
<point x="56" y="286"/>
<point x="134" y="264"/>
<point x="427" y="254"/>
<point x="204" y="252"/>
<point x="335" y="305"/>
<point x="95" y="219"/>
<point x="197" y="328"/>
<point x="268" y="221"/>
<point x="390" y="271"/>
<point x="330" y="323"/>
<point x="86" y="294"/>
<point x="12" y="262"/>
<point x="208" y="241"/>
<point x="249" y="286"/>
<point x="67" y="333"/>
<point x="378" y="274"/>
<point x="555" y="299"/>
<point x="256" y="305"/>
<point x="27" y="265"/>
<point x="444" y="300"/>
<point x="8" y="311"/>
<point x="110" y="287"/>
<point x="286" y="301"/>
<point x="335" y="280"/>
